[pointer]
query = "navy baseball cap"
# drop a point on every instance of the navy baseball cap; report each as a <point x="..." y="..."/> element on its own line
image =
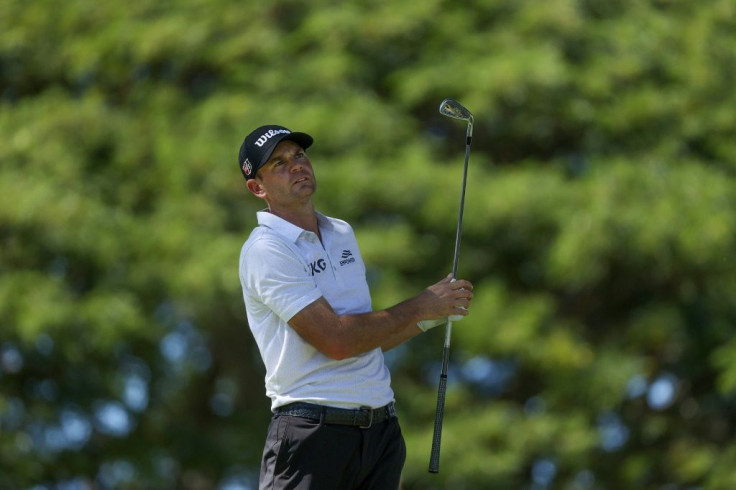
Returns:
<point x="260" y="143"/>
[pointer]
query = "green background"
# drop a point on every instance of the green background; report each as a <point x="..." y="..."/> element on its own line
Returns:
<point x="599" y="231"/>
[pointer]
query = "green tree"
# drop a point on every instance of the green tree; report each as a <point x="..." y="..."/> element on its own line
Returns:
<point x="599" y="231"/>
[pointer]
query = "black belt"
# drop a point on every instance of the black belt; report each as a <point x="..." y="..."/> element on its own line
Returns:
<point x="362" y="417"/>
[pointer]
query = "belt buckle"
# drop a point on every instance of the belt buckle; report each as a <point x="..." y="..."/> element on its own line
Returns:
<point x="370" y="417"/>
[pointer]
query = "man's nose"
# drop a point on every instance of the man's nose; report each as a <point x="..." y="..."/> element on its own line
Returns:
<point x="294" y="165"/>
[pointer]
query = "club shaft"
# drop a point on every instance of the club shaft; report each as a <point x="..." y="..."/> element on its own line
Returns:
<point x="434" y="458"/>
<point x="459" y="231"/>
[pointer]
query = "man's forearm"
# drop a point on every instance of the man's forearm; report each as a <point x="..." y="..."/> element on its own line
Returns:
<point x="391" y="327"/>
<point x="343" y="336"/>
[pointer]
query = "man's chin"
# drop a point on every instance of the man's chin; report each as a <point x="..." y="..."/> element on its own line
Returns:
<point x="307" y="186"/>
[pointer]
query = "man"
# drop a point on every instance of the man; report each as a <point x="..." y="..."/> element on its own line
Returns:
<point x="309" y="309"/>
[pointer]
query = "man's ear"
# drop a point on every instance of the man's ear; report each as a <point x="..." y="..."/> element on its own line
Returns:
<point x="255" y="188"/>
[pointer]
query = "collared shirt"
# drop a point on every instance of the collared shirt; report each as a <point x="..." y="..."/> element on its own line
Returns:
<point x="283" y="269"/>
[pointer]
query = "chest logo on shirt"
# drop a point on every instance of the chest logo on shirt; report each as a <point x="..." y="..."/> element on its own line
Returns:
<point x="317" y="266"/>
<point x="347" y="257"/>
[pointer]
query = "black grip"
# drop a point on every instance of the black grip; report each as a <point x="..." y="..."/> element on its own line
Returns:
<point x="434" y="458"/>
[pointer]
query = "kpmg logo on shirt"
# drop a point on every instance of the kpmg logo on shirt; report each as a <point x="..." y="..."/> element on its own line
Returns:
<point x="347" y="257"/>
<point x="318" y="266"/>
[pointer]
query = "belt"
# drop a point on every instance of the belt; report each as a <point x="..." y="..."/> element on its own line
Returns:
<point x="362" y="417"/>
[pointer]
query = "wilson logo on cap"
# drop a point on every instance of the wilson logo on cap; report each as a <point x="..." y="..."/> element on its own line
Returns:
<point x="270" y="134"/>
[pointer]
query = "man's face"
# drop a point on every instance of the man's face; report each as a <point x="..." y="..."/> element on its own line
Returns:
<point x="287" y="177"/>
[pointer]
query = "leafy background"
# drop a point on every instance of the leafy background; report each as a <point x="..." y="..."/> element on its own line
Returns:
<point x="599" y="231"/>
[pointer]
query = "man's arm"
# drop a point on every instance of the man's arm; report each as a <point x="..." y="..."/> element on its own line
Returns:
<point x="343" y="336"/>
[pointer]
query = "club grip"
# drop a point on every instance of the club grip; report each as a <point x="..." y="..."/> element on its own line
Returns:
<point x="434" y="457"/>
<point x="456" y="318"/>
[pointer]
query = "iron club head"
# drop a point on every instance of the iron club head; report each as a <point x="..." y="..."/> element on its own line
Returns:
<point x="453" y="108"/>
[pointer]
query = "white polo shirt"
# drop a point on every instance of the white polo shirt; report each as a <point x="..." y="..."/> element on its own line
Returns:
<point x="284" y="268"/>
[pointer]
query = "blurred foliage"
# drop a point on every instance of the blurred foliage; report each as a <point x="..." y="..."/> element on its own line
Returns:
<point x="599" y="231"/>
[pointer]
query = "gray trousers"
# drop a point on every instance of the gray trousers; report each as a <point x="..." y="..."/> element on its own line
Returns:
<point x="305" y="454"/>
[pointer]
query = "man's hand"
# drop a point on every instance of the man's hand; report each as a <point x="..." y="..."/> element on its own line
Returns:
<point x="447" y="298"/>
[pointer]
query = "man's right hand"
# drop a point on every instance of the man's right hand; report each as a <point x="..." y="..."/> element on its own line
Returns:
<point x="447" y="298"/>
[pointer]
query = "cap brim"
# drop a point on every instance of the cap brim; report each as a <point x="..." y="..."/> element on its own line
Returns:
<point x="301" y="139"/>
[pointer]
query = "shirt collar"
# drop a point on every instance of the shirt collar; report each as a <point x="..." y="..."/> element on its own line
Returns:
<point x="286" y="229"/>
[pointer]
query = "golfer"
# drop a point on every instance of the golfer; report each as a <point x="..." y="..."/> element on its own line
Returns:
<point x="334" y="424"/>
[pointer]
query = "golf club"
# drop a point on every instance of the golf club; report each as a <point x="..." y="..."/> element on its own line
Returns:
<point x="454" y="109"/>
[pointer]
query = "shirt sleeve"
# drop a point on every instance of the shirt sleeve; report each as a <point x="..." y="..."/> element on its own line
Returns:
<point x="274" y="275"/>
